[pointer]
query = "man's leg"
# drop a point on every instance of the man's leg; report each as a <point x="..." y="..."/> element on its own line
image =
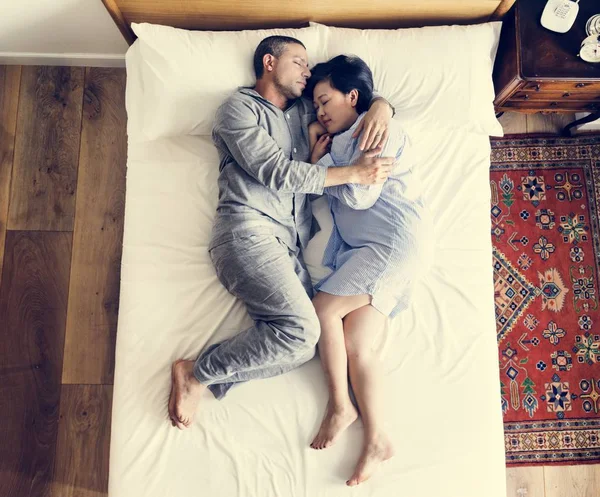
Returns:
<point x="219" y="390"/>
<point x="263" y="273"/>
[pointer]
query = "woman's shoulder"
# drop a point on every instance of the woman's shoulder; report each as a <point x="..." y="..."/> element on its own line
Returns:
<point x="396" y="129"/>
<point x="397" y="139"/>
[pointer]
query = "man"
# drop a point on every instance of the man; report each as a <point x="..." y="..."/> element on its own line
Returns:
<point x="264" y="221"/>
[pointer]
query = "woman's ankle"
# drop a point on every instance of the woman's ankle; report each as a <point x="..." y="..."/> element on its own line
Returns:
<point x="375" y="435"/>
<point x="340" y="404"/>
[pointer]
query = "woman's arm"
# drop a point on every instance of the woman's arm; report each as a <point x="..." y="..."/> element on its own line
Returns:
<point x="315" y="131"/>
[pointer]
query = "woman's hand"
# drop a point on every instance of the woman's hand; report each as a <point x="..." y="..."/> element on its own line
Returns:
<point x="374" y="126"/>
<point x="315" y="131"/>
<point x="322" y="147"/>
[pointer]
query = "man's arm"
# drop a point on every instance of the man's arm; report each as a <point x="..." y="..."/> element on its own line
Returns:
<point x="355" y="196"/>
<point x="260" y="156"/>
<point x="375" y="125"/>
<point x="368" y="170"/>
<point x="379" y="98"/>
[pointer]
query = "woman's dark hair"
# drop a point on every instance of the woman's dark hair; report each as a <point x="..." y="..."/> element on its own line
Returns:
<point x="344" y="73"/>
<point x="272" y="45"/>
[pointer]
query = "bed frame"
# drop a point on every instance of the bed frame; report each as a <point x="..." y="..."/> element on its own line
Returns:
<point x="220" y="15"/>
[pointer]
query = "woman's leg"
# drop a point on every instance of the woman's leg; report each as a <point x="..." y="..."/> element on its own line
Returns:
<point x="340" y="413"/>
<point x="360" y="327"/>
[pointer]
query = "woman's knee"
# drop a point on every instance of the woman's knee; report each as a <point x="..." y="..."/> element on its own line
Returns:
<point x="360" y="328"/>
<point x="323" y="304"/>
<point x="354" y="346"/>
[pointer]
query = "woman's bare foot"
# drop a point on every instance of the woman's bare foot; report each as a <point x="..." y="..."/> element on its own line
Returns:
<point x="186" y="391"/>
<point x="375" y="452"/>
<point x="336" y="420"/>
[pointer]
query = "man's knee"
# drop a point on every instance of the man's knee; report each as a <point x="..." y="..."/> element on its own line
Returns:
<point x="303" y="330"/>
<point x="312" y="328"/>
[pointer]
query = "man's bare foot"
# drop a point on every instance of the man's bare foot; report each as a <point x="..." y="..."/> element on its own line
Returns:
<point x="375" y="452"/>
<point x="186" y="391"/>
<point x="336" y="420"/>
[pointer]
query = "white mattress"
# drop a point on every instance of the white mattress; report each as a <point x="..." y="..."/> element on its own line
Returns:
<point x="440" y="356"/>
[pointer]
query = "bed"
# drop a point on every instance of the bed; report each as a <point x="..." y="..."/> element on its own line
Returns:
<point x="439" y="356"/>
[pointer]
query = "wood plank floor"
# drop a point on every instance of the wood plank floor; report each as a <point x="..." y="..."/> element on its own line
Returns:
<point x="62" y="192"/>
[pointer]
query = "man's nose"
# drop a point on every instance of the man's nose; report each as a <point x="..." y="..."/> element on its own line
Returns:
<point x="306" y="73"/>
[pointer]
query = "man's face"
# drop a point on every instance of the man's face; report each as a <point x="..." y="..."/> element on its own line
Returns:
<point x="290" y="71"/>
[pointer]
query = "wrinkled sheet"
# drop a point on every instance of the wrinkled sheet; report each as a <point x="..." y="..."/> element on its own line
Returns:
<point x="439" y="356"/>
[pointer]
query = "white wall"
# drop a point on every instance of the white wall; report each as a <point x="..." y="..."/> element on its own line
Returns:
<point x="59" y="32"/>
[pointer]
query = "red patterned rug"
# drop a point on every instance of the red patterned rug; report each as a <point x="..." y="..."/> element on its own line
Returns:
<point x="545" y="199"/>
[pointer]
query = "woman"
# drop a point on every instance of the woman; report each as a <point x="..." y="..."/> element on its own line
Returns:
<point x="377" y="250"/>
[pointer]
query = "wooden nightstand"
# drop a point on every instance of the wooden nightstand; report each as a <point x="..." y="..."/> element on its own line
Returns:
<point x="538" y="70"/>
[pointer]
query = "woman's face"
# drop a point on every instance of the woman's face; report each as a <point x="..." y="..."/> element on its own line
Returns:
<point x="336" y="111"/>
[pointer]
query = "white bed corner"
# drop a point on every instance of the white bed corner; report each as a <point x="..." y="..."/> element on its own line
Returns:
<point x="440" y="356"/>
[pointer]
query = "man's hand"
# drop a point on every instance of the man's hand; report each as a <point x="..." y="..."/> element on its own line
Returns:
<point x="374" y="126"/>
<point x="322" y="147"/>
<point x="372" y="170"/>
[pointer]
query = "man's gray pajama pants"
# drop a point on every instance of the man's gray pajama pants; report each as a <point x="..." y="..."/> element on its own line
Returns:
<point x="274" y="283"/>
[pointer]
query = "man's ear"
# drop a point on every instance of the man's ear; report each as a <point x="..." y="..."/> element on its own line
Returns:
<point x="268" y="62"/>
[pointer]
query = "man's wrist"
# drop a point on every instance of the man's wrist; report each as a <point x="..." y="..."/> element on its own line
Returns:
<point x="381" y="99"/>
<point x="341" y="175"/>
<point x="352" y="174"/>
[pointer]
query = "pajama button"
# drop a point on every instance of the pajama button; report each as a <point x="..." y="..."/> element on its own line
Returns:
<point x="295" y="150"/>
<point x="287" y="115"/>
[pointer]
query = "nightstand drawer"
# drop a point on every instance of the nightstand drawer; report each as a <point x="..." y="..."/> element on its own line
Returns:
<point x="554" y="105"/>
<point x="557" y="96"/>
<point x="564" y="86"/>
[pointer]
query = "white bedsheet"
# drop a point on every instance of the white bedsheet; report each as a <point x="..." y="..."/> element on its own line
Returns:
<point x="440" y="356"/>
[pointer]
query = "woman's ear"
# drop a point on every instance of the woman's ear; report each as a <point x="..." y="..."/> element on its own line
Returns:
<point x="353" y="95"/>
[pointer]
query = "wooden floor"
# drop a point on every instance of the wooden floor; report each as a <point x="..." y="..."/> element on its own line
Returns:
<point x="62" y="193"/>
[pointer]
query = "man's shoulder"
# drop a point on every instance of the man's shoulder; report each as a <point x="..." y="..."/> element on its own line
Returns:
<point x="242" y="94"/>
<point x="238" y="97"/>
<point x="237" y="103"/>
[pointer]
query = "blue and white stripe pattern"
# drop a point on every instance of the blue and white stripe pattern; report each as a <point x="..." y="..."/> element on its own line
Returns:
<point x="380" y="243"/>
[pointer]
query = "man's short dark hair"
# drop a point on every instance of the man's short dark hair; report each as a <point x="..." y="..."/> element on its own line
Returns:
<point x="272" y="45"/>
<point x="344" y="73"/>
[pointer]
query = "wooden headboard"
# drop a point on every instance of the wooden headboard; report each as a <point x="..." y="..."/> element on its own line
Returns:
<point x="219" y="15"/>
